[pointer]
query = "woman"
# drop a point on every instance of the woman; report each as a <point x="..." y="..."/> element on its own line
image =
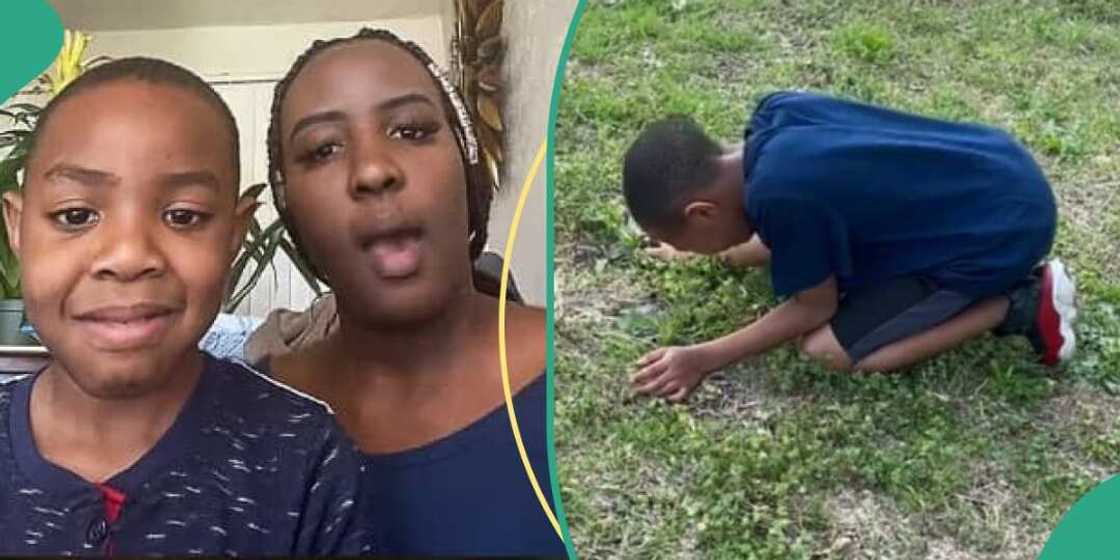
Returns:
<point x="375" y="170"/>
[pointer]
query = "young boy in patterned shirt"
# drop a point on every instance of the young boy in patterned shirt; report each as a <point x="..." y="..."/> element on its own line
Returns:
<point x="132" y="441"/>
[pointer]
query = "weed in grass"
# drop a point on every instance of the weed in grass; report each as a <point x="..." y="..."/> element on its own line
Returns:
<point x="866" y="42"/>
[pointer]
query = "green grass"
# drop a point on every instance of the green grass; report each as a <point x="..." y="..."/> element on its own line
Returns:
<point x="973" y="455"/>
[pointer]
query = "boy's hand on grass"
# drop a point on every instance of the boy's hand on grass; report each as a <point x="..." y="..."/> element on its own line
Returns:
<point x="666" y="252"/>
<point x="671" y="373"/>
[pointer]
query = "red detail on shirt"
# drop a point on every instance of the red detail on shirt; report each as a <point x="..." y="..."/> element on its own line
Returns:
<point x="114" y="499"/>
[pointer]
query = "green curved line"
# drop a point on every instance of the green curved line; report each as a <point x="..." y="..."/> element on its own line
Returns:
<point x="550" y="243"/>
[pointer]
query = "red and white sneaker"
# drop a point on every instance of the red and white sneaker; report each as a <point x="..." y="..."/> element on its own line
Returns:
<point x="1054" y="336"/>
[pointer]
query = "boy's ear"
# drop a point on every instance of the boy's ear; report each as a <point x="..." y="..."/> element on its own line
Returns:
<point x="13" y="213"/>
<point x="700" y="209"/>
<point x="242" y="215"/>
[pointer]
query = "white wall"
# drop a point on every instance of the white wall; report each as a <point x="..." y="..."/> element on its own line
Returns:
<point x="535" y="33"/>
<point x="100" y="15"/>
<point x="253" y="51"/>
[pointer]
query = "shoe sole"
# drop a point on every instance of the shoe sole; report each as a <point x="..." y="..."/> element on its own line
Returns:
<point x="1058" y="314"/>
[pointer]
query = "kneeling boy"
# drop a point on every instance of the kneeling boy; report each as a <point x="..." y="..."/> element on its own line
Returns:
<point x="896" y="237"/>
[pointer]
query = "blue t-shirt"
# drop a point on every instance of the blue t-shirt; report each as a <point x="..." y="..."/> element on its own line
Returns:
<point x="249" y="467"/>
<point x="467" y="494"/>
<point x="864" y="193"/>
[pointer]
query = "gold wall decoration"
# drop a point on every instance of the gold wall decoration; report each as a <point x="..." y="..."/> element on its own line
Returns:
<point x="479" y="49"/>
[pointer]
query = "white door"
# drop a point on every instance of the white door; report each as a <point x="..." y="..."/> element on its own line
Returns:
<point x="281" y="286"/>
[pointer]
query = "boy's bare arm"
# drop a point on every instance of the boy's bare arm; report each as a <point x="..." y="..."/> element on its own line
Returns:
<point x="800" y="314"/>
<point x="674" y="372"/>
<point x="750" y="254"/>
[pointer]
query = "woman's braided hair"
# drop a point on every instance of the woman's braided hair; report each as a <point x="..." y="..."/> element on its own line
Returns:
<point x="480" y="186"/>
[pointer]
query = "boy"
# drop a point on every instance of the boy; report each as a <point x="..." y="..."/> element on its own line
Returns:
<point x="895" y="237"/>
<point x="132" y="441"/>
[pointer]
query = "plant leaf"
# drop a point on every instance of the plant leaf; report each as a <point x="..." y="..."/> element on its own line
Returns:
<point x="491" y="49"/>
<point x="261" y="249"/>
<point x="9" y="169"/>
<point x="26" y="107"/>
<point x="253" y="248"/>
<point x="269" y="253"/>
<point x="9" y="265"/>
<point x="301" y="265"/>
<point x="6" y="291"/>
<point x="254" y="191"/>
<point x="255" y="239"/>
<point x="489" y="21"/>
<point x="488" y="111"/>
<point x="13" y="137"/>
<point x="101" y="59"/>
<point x="274" y="229"/>
<point x="490" y="78"/>
<point x="236" y="271"/>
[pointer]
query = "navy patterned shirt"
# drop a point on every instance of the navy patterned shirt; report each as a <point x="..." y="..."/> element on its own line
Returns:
<point x="249" y="467"/>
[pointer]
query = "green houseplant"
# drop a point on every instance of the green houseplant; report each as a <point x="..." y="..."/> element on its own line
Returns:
<point x="15" y="141"/>
<point x="21" y="118"/>
<point x="257" y="254"/>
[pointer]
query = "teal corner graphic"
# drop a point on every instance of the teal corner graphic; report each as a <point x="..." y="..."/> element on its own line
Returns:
<point x="30" y="41"/>
<point x="1088" y="530"/>
<point x="550" y="244"/>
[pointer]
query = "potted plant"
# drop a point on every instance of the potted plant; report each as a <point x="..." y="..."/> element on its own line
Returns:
<point x="259" y="250"/>
<point x="14" y="140"/>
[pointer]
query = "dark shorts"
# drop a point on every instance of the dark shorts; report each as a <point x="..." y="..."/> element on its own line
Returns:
<point x="872" y="317"/>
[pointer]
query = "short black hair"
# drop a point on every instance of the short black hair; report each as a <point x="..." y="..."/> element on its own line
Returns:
<point x="480" y="186"/>
<point x="668" y="160"/>
<point x="148" y="70"/>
